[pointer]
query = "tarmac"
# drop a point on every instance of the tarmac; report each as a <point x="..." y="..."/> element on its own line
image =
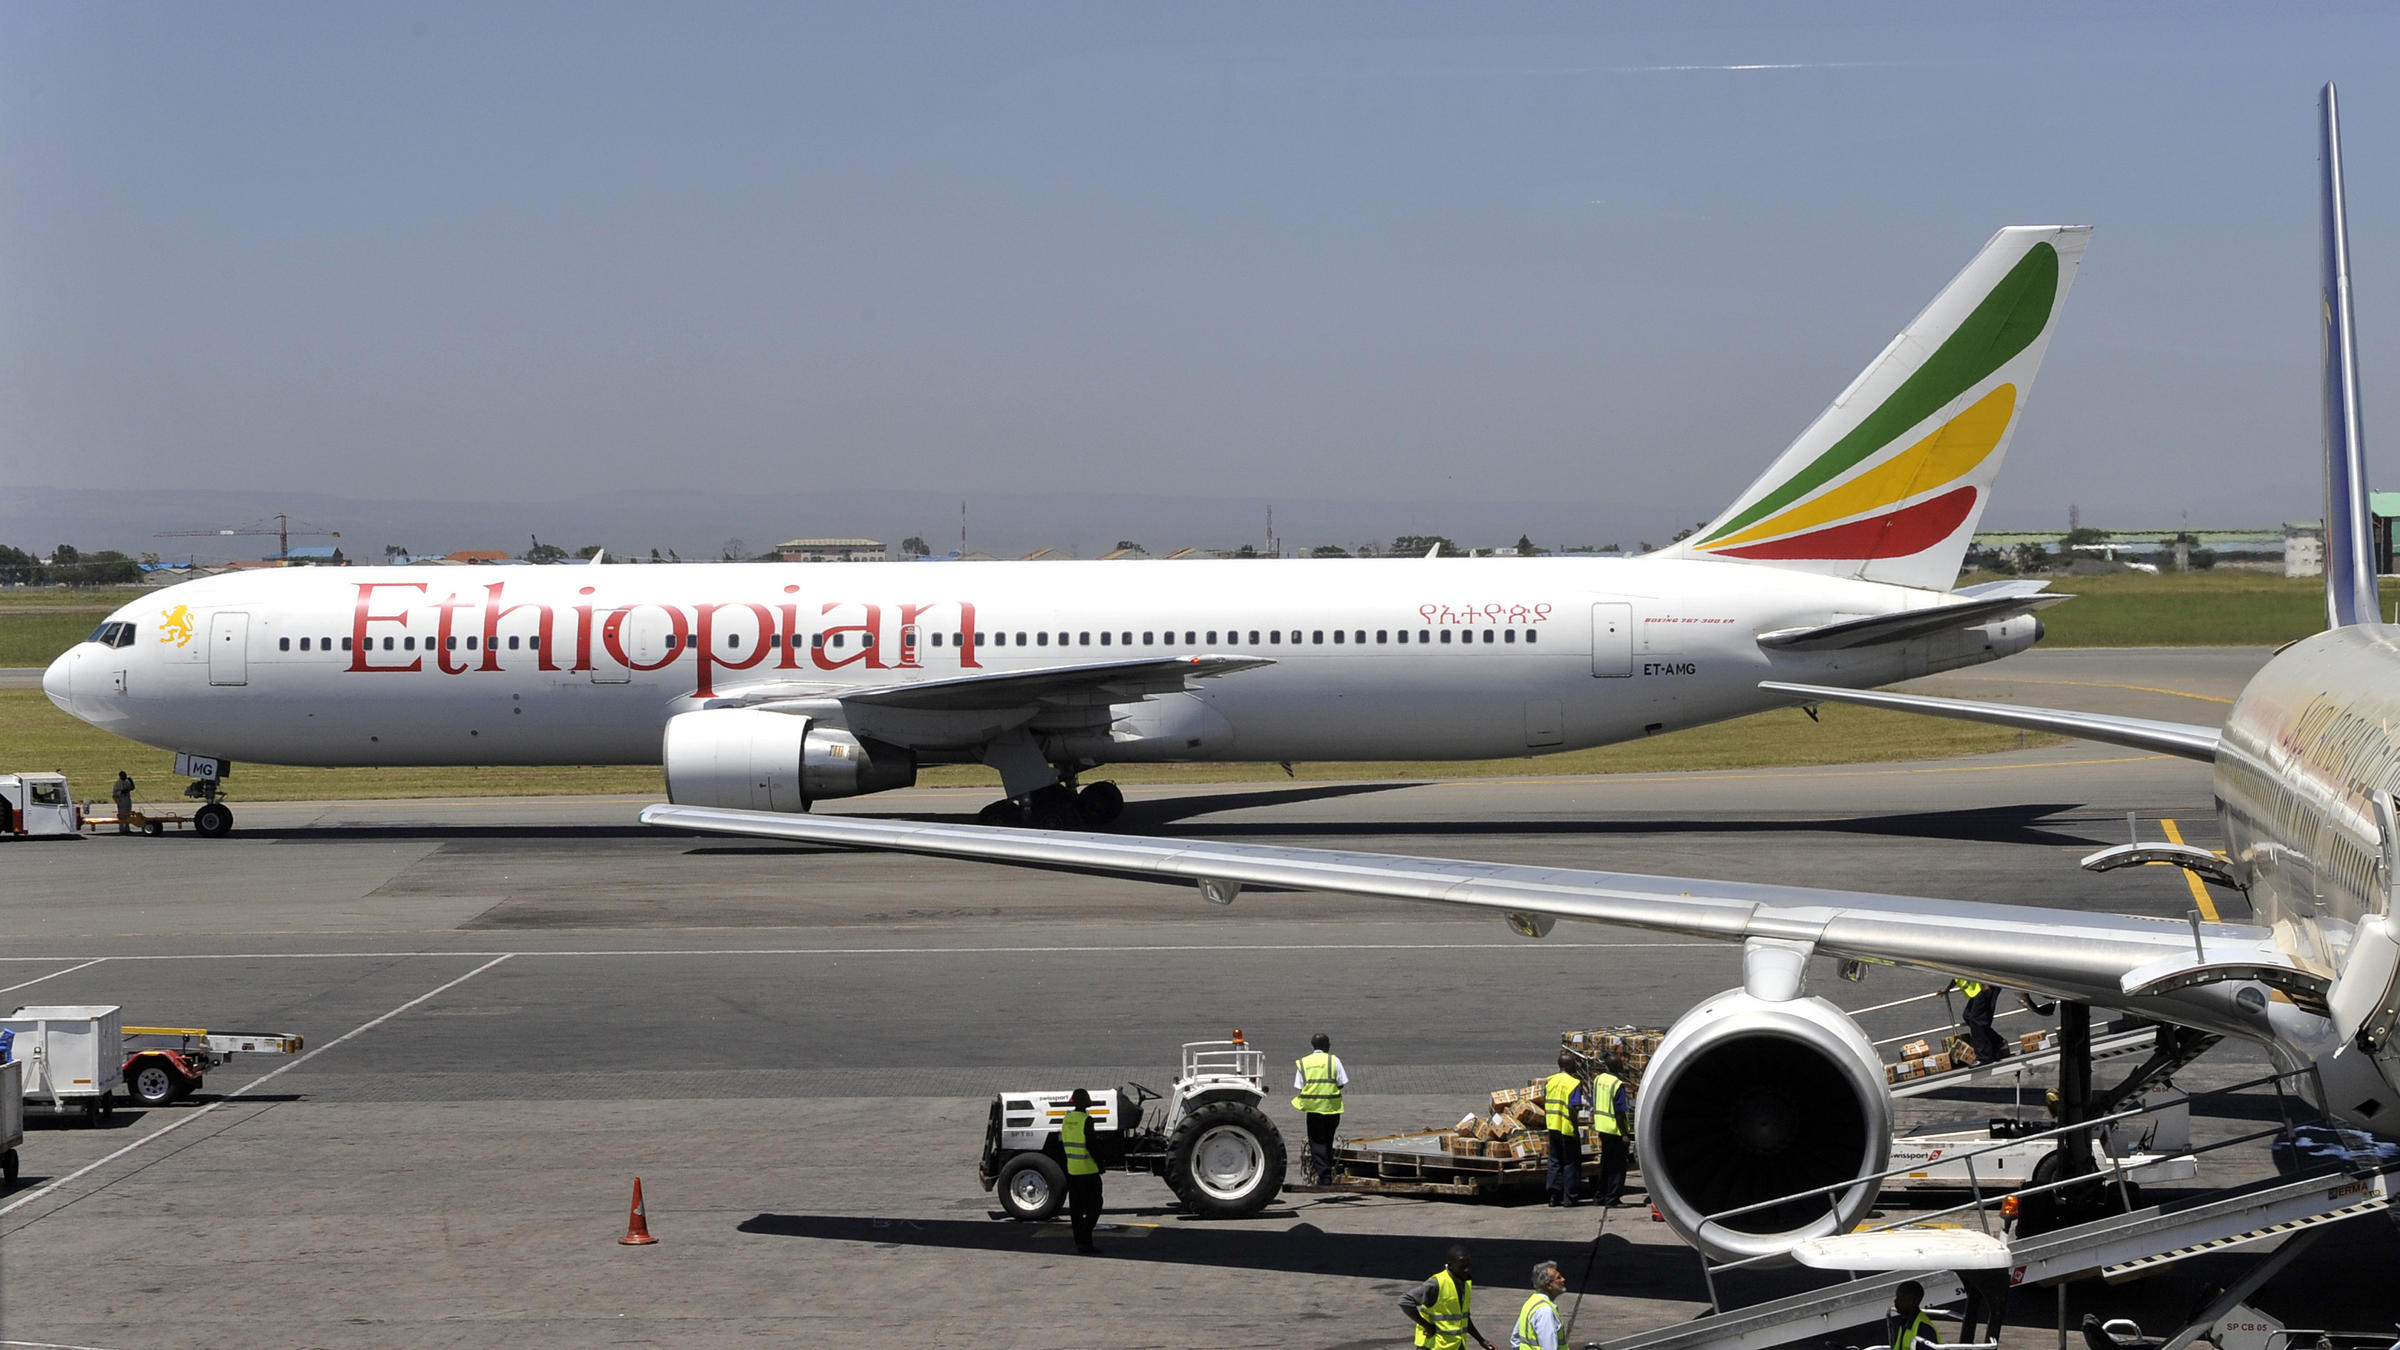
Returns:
<point x="514" y="1007"/>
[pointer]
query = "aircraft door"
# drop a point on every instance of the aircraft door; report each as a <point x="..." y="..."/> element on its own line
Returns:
<point x="606" y="668"/>
<point x="229" y="647"/>
<point x="908" y="646"/>
<point x="1612" y="640"/>
<point x="2365" y="998"/>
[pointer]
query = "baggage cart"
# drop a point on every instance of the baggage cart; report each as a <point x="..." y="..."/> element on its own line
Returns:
<point x="1422" y="1164"/>
<point x="12" y="1117"/>
<point x="73" y="1057"/>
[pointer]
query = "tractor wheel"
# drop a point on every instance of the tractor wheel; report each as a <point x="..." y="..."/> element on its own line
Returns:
<point x="1226" y="1161"/>
<point x="1031" y="1187"/>
<point x="153" y="1083"/>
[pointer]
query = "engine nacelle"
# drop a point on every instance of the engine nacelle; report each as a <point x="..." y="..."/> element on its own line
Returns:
<point x="1747" y="1100"/>
<point x="769" y="761"/>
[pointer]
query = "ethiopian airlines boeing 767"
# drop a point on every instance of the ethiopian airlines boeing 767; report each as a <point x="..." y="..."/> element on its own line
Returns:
<point x="771" y="686"/>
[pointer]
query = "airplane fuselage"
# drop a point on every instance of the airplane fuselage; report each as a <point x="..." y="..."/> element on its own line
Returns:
<point x="1373" y="659"/>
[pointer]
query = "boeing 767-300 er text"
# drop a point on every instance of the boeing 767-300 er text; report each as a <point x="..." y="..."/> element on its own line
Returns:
<point x="766" y="686"/>
<point x="1763" y="1092"/>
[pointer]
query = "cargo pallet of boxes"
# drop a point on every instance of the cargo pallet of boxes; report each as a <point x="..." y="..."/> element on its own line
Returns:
<point x="1490" y="1153"/>
<point x="1922" y="1059"/>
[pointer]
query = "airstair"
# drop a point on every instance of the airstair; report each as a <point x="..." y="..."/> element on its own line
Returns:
<point x="2140" y="1239"/>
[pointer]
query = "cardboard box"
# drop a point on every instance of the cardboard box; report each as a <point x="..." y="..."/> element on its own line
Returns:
<point x="1467" y="1124"/>
<point x="1915" y="1050"/>
<point x="1533" y="1115"/>
<point x="2030" y="1041"/>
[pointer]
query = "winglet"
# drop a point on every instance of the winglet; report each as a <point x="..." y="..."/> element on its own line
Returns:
<point x="2349" y="548"/>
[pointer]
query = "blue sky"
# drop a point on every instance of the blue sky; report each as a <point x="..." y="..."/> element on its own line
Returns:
<point x="1609" y="254"/>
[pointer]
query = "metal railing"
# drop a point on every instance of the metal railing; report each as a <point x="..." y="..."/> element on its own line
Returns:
<point x="1204" y="1059"/>
<point x="1978" y="1203"/>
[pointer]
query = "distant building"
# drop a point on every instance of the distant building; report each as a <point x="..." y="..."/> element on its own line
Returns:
<point x="1047" y="555"/>
<point x="2382" y="507"/>
<point x="480" y="556"/>
<point x="832" y="550"/>
<point x="2303" y="548"/>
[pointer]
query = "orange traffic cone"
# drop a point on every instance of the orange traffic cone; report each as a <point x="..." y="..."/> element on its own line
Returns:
<point x="637" y="1228"/>
<point x="1655" y="1216"/>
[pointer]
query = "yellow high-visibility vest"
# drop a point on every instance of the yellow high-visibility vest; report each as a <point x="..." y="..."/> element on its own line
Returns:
<point x="1454" y="1302"/>
<point x="1971" y="988"/>
<point x="1075" y="1133"/>
<point x="1524" y="1337"/>
<point x="1558" y="1111"/>
<point x="1604" y="1103"/>
<point x="1320" y="1094"/>
<point x="1906" y="1337"/>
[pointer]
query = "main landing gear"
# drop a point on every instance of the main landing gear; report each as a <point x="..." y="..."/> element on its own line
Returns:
<point x="1058" y="807"/>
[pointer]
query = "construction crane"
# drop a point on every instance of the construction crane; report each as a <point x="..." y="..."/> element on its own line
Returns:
<point x="282" y="530"/>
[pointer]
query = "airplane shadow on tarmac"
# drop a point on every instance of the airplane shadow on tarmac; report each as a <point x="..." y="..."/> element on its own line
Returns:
<point x="1621" y="1267"/>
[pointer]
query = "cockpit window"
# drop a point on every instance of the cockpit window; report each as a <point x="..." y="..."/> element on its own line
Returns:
<point x="124" y="636"/>
<point x="112" y="634"/>
<point x="103" y="634"/>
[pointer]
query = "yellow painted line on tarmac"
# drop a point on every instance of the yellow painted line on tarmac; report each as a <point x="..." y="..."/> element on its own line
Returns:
<point x="2208" y="907"/>
<point x="2102" y="684"/>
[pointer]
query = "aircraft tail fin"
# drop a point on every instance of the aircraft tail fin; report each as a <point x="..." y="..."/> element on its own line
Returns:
<point x="2349" y="547"/>
<point x="1887" y="484"/>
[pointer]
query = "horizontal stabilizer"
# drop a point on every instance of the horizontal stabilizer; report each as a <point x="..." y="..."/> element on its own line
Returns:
<point x="2138" y="733"/>
<point x="1905" y="625"/>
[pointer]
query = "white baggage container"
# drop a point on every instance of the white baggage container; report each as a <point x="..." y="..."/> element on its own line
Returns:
<point x="12" y="1117"/>
<point x="74" y="1057"/>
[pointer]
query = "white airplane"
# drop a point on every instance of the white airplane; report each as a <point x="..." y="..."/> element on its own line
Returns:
<point x="772" y="686"/>
<point x="1763" y="1091"/>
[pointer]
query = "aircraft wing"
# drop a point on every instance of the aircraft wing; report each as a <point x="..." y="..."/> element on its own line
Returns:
<point x="2140" y="733"/>
<point x="1097" y="683"/>
<point x="2103" y="958"/>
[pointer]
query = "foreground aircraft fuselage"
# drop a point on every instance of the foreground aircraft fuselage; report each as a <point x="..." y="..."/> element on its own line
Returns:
<point x="1371" y="660"/>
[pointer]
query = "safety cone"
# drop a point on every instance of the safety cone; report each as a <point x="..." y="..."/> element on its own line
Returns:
<point x="637" y="1228"/>
<point x="1655" y="1216"/>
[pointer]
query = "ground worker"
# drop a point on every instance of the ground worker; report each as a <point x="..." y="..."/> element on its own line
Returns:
<point x="122" y="794"/>
<point x="1444" y="1307"/>
<point x="1537" y="1321"/>
<point x="1611" y="1116"/>
<point x="1982" y="1001"/>
<point x="1908" y="1316"/>
<point x="1319" y="1079"/>
<point x="1083" y="1170"/>
<point x="1562" y="1092"/>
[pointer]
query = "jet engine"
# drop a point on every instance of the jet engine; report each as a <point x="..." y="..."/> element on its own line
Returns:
<point x="1748" y="1100"/>
<point x="753" y="760"/>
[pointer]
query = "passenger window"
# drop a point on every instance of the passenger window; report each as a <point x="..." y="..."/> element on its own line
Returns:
<point x="1383" y="637"/>
<point x="1087" y="640"/>
<point x="1020" y="639"/>
<point x="866" y="639"/>
<point x="1424" y="635"/>
<point x="979" y="638"/>
<point x="1253" y="637"/>
<point x="1512" y="634"/>
<point x="345" y="644"/>
<point x="512" y="644"/>
<point x="470" y="643"/>
<point x="816" y="641"/>
<point x="1104" y="639"/>
<point x="1191" y="639"/>
<point x="1041" y="639"/>
<point x="1146" y="637"/>
<point x="406" y="643"/>
<point x="1125" y="639"/>
<point x="450" y="644"/>
<point x="1531" y="634"/>
<point x="304" y="644"/>
<point x="1212" y="637"/>
<point x="1445" y="635"/>
<point x="534" y="642"/>
<point x="1361" y="639"/>
<point x="937" y="639"/>
<point x="1488" y="639"/>
<point x="283" y="644"/>
<point x="1337" y="637"/>
<point x="731" y="640"/>
<point x="1275" y="636"/>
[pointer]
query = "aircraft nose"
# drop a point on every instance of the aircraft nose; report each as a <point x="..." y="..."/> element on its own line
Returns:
<point x="59" y="682"/>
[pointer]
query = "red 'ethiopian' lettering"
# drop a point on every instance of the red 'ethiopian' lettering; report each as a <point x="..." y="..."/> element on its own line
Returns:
<point x="360" y="618"/>
<point x="612" y="635"/>
<point x="494" y="612"/>
<point x="704" y="633"/>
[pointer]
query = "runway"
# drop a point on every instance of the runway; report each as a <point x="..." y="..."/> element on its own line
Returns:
<point x="515" y="1006"/>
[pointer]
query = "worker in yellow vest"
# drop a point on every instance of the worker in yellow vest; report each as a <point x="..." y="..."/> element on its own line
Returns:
<point x="1562" y="1095"/>
<point x="1611" y="1120"/>
<point x="1444" y="1307"/>
<point x="1910" y="1324"/>
<point x="1083" y="1170"/>
<point x="1983" y="1003"/>
<point x="1538" y="1327"/>
<point x="1319" y="1079"/>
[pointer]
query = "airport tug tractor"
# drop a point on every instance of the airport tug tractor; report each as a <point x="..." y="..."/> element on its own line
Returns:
<point x="1206" y="1135"/>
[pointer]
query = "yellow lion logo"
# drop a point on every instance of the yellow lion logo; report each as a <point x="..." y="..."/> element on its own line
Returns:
<point x="178" y="626"/>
